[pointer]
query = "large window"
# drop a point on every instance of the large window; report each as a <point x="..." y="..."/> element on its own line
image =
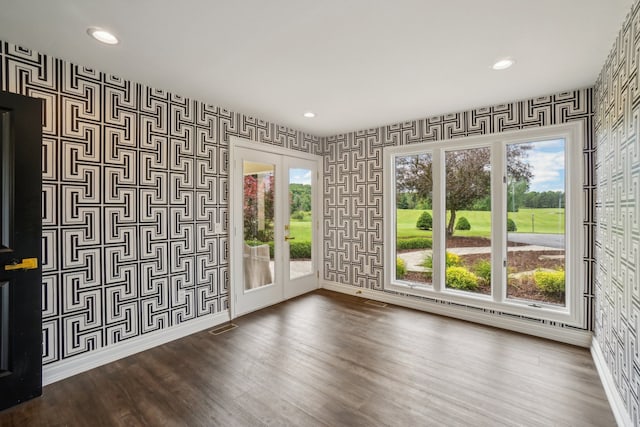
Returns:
<point x="491" y="221"/>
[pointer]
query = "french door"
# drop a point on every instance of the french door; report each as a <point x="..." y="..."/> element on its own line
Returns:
<point x="274" y="226"/>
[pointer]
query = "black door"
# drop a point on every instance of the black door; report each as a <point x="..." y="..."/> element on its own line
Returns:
<point x="20" y="243"/>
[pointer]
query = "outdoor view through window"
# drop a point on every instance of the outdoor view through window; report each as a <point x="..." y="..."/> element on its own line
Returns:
<point x="534" y="192"/>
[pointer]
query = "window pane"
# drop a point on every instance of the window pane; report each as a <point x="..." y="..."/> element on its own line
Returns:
<point x="258" y="223"/>
<point x="413" y="218"/>
<point x="536" y="221"/>
<point x="468" y="224"/>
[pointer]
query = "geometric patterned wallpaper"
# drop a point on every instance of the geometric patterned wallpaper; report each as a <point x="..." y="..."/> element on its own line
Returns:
<point x="134" y="180"/>
<point x="617" y="239"/>
<point x="353" y="198"/>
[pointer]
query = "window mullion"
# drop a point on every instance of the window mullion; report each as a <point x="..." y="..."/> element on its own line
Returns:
<point x="498" y="223"/>
<point x="439" y="219"/>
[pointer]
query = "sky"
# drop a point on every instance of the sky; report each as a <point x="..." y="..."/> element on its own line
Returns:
<point x="299" y="176"/>
<point x="547" y="165"/>
<point x="545" y="157"/>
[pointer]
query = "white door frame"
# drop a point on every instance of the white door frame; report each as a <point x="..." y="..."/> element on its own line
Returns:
<point x="235" y="219"/>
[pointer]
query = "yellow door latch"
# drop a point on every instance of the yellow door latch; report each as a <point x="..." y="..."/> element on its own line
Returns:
<point x="26" y="264"/>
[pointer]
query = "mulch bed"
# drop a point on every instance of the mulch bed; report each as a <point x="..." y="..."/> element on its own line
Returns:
<point x="474" y="242"/>
<point x="465" y="242"/>
<point x="522" y="288"/>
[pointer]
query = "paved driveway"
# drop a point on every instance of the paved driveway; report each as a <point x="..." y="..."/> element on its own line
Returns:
<point x="539" y="239"/>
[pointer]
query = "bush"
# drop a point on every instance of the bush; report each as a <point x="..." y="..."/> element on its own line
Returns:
<point x="511" y="225"/>
<point x="299" y="250"/>
<point x="425" y="221"/>
<point x="401" y="269"/>
<point x="452" y="260"/>
<point x="460" y="278"/>
<point x="483" y="270"/>
<point x="551" y="282"/>
<point x="297" y="215"/>
<point x="463" y="224"/>
<point x="413" y="243"/>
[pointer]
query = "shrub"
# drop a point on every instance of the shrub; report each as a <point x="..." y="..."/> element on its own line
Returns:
<point x="452" y="260"/>
<point x="460" y="278"/>
<point x="511" y="225"/>
<point x="425" y="221"/>
<point x="463" y="224"/>
<point x="413" y="243"/>
<point x="482" y="269"/>
<point x="401" y="268"/>
<point x="299" y="250"/>
<point x="551" y="282"/>
<point x="297" y="215"/>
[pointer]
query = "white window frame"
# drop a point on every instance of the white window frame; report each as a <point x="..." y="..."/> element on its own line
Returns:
<point x="573" y="311"/>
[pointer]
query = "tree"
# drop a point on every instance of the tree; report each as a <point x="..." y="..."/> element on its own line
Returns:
<point x="515" y="194"/>
<point x="468" y="175"/>
<point x="425" y="221"/>
<point x="299" y="197"/>
<point x="258" y="214"/>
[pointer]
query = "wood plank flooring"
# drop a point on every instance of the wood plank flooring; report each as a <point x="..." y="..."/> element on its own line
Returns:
<point x="326" y="359"/>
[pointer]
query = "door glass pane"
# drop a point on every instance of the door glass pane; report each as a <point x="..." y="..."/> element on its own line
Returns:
<point x="414" y="195"/>
<point x="468" y="224"/>
<point x="300" y="226"/>
<point x="536" y="221"/>
<point x="258" y="224"/>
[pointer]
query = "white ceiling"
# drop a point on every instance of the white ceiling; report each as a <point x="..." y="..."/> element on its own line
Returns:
<point x="355" y="63"/>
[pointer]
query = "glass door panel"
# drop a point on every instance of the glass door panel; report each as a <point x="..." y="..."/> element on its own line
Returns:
<point x="301" y="226"/>
<point x="299" y="231"/>
<point x="259" y="188"/>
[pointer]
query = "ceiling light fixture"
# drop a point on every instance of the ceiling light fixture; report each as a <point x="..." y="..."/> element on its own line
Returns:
<point x="309" y="114"/>
<point x="503" y="64"/>
<point x="102" y="36"/>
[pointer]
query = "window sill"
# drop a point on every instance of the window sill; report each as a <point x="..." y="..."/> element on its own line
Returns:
<point x="519" y="308"/>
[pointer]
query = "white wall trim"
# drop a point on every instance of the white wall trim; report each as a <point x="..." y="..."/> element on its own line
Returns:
<point x="84" y="362"/>
<point x="613" y="395"/>
<point x="569" y="336"/>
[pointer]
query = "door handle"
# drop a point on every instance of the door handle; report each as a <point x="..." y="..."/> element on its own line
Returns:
<point x="287" y="238"/>
<point x="26" y="264"/>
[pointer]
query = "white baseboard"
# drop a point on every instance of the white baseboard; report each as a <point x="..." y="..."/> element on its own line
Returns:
<point x="75" y="365"/>
<point x="615" y="399"/>
<point x="565" y="335"/>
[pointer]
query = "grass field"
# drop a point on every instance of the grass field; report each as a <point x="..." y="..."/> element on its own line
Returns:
<point x="301" y="229"/>
<point x="549" y="221"/>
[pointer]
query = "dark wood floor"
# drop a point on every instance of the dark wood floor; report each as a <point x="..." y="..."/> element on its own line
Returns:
<point x="329" y="359"/>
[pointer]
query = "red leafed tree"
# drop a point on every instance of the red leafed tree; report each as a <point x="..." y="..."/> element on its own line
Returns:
<point x="251" y="215"/>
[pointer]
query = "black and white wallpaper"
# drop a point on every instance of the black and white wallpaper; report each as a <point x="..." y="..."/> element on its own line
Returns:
<point x="353" y="198"/>
<point x="617" y="239"/>
<point x="134" y="181"/>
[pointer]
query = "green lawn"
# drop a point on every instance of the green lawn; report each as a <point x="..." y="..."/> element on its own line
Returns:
<point x="544" y="221"/>
<point x="300" y="229"/>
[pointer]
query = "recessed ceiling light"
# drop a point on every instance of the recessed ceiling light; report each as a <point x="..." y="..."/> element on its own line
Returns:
<point x="309" y="114"/>
<point x="503" y="64"/>
<point x="102" y="36"/>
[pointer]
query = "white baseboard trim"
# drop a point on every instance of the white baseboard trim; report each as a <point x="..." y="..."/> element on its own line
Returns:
<point x="84" y="362"/>
<point x="615" y="399"/>
<point x="569" y="336"/>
